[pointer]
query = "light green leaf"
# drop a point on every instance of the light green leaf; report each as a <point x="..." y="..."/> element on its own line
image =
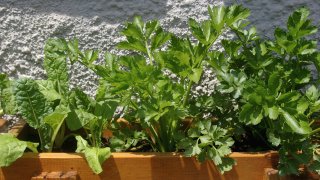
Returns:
<point x="133" y="45"/>
<point x="151" y="26"/>
<point x="235" y="14"/>
<point x="47" y="88"/>
<point x="7" y="98"/>
<point x="217" y="16"/>
<point x="213" y="154"/>
<point x="73" y="50"/>
<point x="78" y="118"/>
<point x="302" y="105"/>
<point x="273" y="112"/>
<point x="294" y="124"/>
<point x="273" y="139"/>
<point x="12" y="148"/>
<point x="226" y="165"/>
<point x="56" y="68"/>
<point x="196" y="74"/>
<point x="95" y="156"/>
<point x="106" y="109"/>
<point x="159" y="39"/>
<point x="312" y="93"/>
<point x="55" y="120"/>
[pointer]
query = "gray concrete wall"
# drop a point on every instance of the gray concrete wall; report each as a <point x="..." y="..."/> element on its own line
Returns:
<point x="26" y="24"/>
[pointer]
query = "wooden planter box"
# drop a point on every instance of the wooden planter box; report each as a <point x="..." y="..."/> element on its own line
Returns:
<point x="140" y="166"/>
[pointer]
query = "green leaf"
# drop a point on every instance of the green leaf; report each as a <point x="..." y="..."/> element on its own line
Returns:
<point x="78" y="119"/>
<point x="214" y="155"/>
<point x="283" y="41"/>
<point x="294" y="124"/>
<point x="302" y="76"/>
<point x="196" y="75"/>
<point x="73" y="50"/>
<point x="251" y="114"/>
<point x="81" y="100"/>
<point x="312" y="93"/>
<point x="7" y="98"/>
<point x="255" y="98"/>
<point x="106" y="109"/>
<point x="55" y="120"/>
<point x="273" y="112"/>
<point x="159" y="39"/>
<point x="134" y="29"/>
<point x="55" y="63"/>
<point x="288" y="97"/>
<point x="192" y="151"/>
<point x="204" y="140"/>
<point x="273" y="139"/>
<point x="217" y="16"/>
<point x="302" y="105"/>
<point x="274" y="83"/>
<point x="89" y="56"/>
<point x="12" y="148"/>
<point x="95" y="156"/>
<point x="299" y="25"/>
<point x="235" y="14"/>
<point x="226" y="165"/>
<point x="151" y="26"/>
<point x="133" y="45"/>
<point x="197" y="31"/>
<point x="47" y="88"/>
<point x="31" y="102"/>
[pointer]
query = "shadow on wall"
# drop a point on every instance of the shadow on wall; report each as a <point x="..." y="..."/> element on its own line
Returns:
<point x="109" y="11"/>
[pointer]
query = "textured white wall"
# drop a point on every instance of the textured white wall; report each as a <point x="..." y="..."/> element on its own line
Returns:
<point x="25" y="25"/>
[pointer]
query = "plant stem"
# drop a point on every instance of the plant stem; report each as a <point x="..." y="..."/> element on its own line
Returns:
<point x="149" y="52"/>
<point x="315" y="131"/>
<point x="186" y="97"/>
<point x="157" y="139"/>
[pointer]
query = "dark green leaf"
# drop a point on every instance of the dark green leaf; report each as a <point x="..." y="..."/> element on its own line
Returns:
<point x="31" y="102"/>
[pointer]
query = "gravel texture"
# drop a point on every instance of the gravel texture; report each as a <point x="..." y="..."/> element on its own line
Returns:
<point x="11" y="121"/>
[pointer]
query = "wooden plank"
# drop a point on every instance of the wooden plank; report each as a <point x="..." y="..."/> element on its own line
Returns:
<point x="156" y="166"/>
<point x="18" y="128"/>
<point x="2" y="122"/>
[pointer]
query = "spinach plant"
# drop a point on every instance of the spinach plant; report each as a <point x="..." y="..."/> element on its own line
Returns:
<point x="49" y="106"/>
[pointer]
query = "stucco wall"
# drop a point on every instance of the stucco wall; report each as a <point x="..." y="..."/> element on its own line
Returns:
<point x="25" y="25"/>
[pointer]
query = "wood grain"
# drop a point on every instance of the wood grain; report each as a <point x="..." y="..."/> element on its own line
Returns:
<point x="142" y="166"/>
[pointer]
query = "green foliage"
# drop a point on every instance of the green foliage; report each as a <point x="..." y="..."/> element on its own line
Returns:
<point x="94" y="156"/>
<point x="158" y="103"/>
<point x="267" y="78"/>
<point x="266" y="91"/>
<point x="13" y="148"/>
<point x="209" y="142"/>
<point x="7" y="100"/>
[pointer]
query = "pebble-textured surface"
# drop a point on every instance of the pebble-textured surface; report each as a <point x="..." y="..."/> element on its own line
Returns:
<point x="25" y="25"/>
